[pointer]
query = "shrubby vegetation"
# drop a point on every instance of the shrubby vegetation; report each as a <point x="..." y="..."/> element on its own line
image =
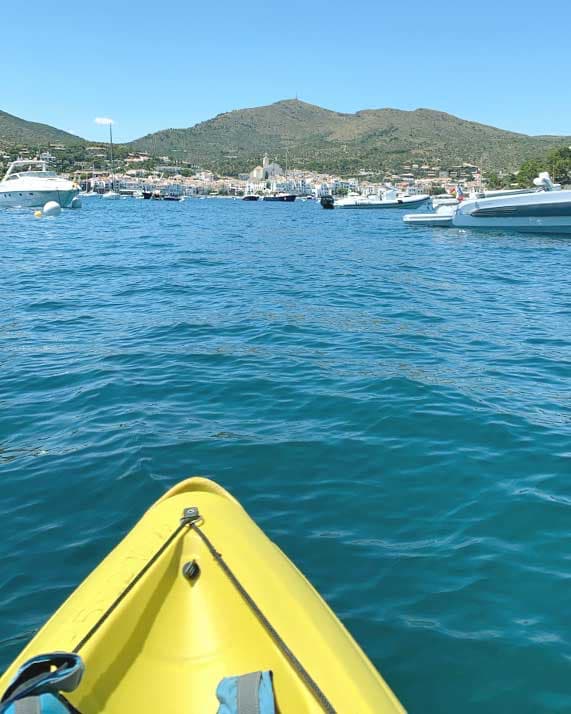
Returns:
<point x="556" y="162"/>
<point x="317" y="139"/>
<point x="305" y="136"/>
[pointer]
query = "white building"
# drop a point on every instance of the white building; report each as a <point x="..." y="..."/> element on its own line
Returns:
<point x="267" y="171"/>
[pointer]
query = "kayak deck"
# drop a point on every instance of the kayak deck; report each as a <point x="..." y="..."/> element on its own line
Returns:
<point x="171" y="640"/>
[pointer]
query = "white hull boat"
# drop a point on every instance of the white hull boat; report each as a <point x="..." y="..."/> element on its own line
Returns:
<point x="29" y="184"/>
<point x="544" y="212"/>
<point x="443" y="200"/>
<point x="547" y="209"/>
<point x="443" y="217"/>
<point x="388" y="199"/>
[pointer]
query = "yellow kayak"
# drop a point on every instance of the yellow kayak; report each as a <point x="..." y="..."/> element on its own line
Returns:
<point x="195" y="593"/>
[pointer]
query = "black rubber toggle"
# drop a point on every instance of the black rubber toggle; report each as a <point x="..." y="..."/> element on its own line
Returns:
<point x="191" y="570"/>
<point x="190" y="515"/>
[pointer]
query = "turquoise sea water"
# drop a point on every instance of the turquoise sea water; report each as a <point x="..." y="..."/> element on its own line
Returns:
<point x="392" y="405"/>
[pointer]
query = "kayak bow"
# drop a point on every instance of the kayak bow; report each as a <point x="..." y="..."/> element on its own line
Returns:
<point x="193" y="594"/>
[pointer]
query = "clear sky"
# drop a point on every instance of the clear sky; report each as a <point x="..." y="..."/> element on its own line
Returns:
<point x="152" y="65"/>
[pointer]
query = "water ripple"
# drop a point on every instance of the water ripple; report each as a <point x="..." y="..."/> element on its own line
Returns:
<point x="392" y="406"/>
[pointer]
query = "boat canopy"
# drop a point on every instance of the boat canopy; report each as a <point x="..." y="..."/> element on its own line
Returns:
<point x="29" y="167"/>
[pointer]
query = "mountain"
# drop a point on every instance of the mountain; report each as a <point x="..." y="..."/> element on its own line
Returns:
<point x="307" y="136"/>
<point x="15" y="131"/>
<point x="321" y="139"/>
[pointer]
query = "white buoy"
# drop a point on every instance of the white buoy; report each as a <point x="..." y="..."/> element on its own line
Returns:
<point x="76" y="202"/>
<point x="51" y="208"/>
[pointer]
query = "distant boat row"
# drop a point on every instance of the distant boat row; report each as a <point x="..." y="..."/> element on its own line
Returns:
<point x="546" y="208"/>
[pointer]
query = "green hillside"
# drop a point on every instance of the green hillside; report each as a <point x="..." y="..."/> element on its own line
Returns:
<point x="320" y="139"/>
<point x="19" y="132"/>
<point x="375" y="140"/>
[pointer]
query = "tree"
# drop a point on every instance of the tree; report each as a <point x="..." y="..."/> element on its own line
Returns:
<point x="494" y="181"/>
<point x="529" y="170"/>
<point x="557" y="163"/>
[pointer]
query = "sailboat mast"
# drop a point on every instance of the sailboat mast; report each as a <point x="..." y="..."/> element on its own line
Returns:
<point x="112" y="162"/>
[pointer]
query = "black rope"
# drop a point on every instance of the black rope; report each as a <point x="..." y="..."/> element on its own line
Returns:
<point x="190" y="516"/>
<point x="127" y="590"/>
<point x="297" y="665"/>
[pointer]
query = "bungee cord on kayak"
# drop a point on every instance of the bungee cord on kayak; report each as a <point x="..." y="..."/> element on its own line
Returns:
<point x="181" y="634"/>
<point x="191" y="517"/>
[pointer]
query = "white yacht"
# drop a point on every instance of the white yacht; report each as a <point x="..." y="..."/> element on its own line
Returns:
<point x="546" y="210"/>
<point x="30" y="184"/>
<point x="443" y="217"/>
<point x="449" y="199"/>
<point x="388" y="198"/>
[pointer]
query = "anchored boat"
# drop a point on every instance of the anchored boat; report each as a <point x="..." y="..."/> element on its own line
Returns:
<point x="545" y="209"/>
<point x="194" y="605"/>
<point x="30" y="184"/>
<point x="283" y="197"/>
<point x="443" y="216"/>
<point x="388" y="198"/>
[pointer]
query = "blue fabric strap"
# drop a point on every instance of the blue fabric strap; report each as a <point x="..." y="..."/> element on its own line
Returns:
<point x="248" y="700"/>
<point x="251" y="693"/>
<point x="44" y="704"/>
<point x="31" y="705"/>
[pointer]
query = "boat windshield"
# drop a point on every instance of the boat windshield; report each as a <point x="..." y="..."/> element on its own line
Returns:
<point x="20" y="169"/>
<point x="30" y="172"/>
<point x="30" y="175"/>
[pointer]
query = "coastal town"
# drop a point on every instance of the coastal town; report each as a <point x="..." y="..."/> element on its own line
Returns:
<point x="270" y="177"/>
<point x="140" y="171"/>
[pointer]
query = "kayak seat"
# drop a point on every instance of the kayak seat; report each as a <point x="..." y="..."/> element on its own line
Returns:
<point x="36" y="687"/>
<point x="251" y="693"/>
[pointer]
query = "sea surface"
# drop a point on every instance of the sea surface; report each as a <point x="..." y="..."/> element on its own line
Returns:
<point x="391" y="404"/>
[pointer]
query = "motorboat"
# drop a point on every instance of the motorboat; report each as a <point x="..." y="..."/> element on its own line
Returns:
<point x="444" y="199"/>
<point x="546" y="210"/>
<point x="89" y="191"/>
<point x="250" y="197"/>
<point x="111" y="195"/>
<point x="498" y="193"/>
<point x="388" y="198"/>
<point x="31" y="184"/>
<point x="283" y="197"/>
<point x="443" y="216"/>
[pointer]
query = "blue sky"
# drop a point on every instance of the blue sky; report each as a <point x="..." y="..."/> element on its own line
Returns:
<point x="153" y="65"/>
